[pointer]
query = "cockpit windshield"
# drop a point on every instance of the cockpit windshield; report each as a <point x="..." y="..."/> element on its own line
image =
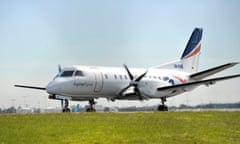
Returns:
<point x="79" y="73"/>
<point x="70" y="73"/>
<point x="66" y="73"/>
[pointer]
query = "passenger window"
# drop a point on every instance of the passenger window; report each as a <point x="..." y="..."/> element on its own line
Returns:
<point x="120" y="76"/>
<point x="125" y="77"/>
<point x="165" y="78"/>
<point x="79" y="73"/>
<point x="67" y="74"/>
<point x="115" y="76"/>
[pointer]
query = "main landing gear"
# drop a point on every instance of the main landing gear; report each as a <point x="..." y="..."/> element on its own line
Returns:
<point x="91" y="108"/>
<point x="163" y="107"/>
<point x="65" y="103"/>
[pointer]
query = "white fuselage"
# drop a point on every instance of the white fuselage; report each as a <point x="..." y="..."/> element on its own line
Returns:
<point x="84" y="82"/>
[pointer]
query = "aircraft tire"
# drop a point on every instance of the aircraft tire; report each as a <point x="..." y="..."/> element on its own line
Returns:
<point x="165" y="108"/>
<point x="91" y="110"/>
<point x="162" y="108"/>
<point x="66" y="110"/>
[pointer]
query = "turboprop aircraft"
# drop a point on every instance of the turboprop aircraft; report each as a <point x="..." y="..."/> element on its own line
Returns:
<point x="87" y="83"/>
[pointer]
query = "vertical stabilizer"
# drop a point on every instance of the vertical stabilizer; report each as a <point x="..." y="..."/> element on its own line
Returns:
<point x="190" y="57"/>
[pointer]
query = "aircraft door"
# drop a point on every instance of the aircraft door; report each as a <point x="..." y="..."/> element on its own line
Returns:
<point x="98" y="81"/>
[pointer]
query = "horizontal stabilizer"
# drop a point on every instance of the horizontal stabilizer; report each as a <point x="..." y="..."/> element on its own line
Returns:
<point x="30" y="87"/>
<point x="209" y="72"/>
<point x="196" y="83"/>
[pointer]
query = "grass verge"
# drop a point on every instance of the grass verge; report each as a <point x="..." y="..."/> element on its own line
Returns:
<point x="122" y="128"/>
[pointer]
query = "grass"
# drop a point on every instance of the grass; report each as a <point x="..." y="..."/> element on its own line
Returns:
<point x="121" y="128"/>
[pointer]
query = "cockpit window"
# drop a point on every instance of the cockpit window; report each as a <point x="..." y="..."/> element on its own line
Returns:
<point x="67" y="73"/>
<point x="79" y="73"/>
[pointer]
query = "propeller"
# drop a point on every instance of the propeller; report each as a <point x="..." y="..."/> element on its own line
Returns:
<point x="134" y="83"/>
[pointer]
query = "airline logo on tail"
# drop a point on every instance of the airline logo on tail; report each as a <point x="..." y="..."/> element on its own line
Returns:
<point x="194" y="44"/>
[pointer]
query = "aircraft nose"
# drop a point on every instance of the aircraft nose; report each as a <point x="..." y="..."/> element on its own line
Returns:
<point x="51" y="88"/>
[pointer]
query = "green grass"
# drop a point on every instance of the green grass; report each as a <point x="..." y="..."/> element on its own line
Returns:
<point x="121" y="128"/>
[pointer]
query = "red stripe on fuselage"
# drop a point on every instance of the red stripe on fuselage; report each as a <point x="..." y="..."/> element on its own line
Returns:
<point x="180" y="79"/>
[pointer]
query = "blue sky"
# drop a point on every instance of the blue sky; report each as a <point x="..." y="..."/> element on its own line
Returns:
<point x="36" y="36"/>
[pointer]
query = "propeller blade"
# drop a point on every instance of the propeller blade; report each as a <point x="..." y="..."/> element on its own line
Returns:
<point x="129" y="73"/>
<point x="138" y="93"/>
<point x="59" y="68"/>
<point x="123" y="90"/>
<point x="141" y="76"/>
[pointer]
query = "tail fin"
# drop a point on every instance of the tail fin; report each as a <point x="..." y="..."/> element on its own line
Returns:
<point x="190" y="57"/>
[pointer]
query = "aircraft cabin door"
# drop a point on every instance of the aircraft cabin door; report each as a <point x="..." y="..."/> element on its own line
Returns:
<point x="98" y="81"/>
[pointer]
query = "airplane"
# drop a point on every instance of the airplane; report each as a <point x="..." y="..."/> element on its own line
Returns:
<point x="87" y="83"/>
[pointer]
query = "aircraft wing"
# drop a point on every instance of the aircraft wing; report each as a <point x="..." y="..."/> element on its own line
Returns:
<point x="30" y="87"/>
<point x="185" y="86"/>
<point x="206" y="73"/>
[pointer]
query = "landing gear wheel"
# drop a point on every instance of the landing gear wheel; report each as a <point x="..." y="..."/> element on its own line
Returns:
<point x="65" y="104"/>
<point x="165" y="108"/>
<point x="66" y="110"/>
<point x="162" y="108"/>
<point x="91" y="108"/>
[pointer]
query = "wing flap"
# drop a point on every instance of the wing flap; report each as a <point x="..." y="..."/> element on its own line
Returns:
<point x="196" y="83"/>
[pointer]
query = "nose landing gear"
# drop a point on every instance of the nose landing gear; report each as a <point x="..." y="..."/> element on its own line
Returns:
<point x="64" y="101"/>
<point x="64" y="104"/>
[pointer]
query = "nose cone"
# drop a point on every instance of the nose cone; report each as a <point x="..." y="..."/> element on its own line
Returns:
<point x="51" y="87"/>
